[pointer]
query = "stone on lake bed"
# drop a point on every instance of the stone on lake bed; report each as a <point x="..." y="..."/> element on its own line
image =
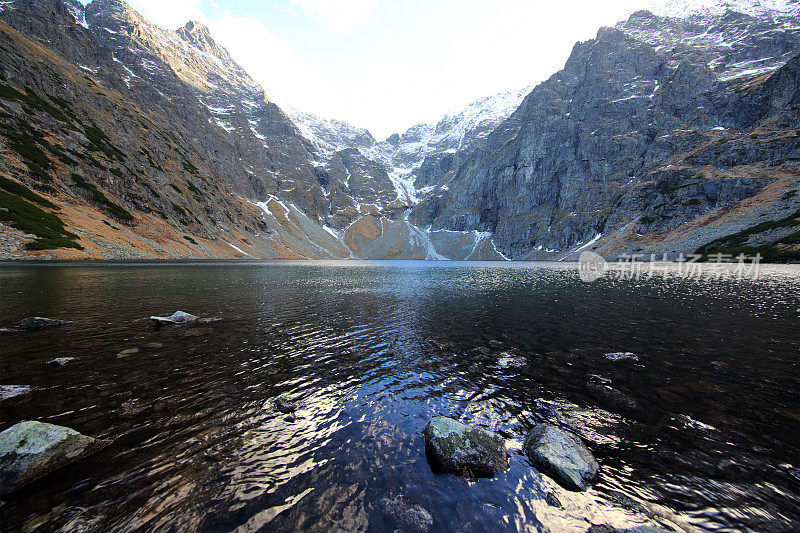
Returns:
<point x="30" y="449"/>
<point x="35" y="322"/>
<point x="621" y="356"/>
<point x="407" y="516"/>
<point x="285" y="405"/>
<point x="180" y="317"/>
<point x="507" y="360"/>
<point x="454" y="446"/>
<point x="60" y="361"/>
<point x="561" y="456"/>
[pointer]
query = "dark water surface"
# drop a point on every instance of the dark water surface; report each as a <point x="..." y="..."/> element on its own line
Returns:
<point x="714" y="444"/>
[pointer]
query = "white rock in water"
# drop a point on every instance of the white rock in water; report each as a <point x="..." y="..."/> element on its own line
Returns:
<point x="622" y="356"/>
<point x="9" y="391"/>
<point x="178" y="317"/>
<point x="30" y="449"/>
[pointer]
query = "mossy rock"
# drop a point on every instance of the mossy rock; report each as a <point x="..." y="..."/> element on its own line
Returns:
<point x="453" y="446"/>
<point x="30" y="449"/>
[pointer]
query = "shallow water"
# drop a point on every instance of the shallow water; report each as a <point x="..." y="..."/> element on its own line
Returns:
<point x="715" y="443"/>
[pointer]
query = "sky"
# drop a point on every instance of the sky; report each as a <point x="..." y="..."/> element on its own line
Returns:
<point x="388" y="64"/>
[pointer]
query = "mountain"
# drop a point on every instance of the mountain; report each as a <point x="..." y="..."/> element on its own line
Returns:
<point x="663" y="134"/>
<point x="660" y="135"/>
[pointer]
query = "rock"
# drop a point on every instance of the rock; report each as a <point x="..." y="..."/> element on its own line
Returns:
<point x="133" y="408"/>
<point x="30" y="449"/>
<point x="284" y="405"/>
<point x="35" y="322"/>
<point x="10" y="391"/>
<point x="506" y="360"/>
<point x="453" y="446"/>
<point x="552" y="500"/>
<point x="615" y="399"/>
<point x="127" y="352"/>
<point x="179" y="317"/>
<point x="407" y="516"/>
<point x="60" y="361"/>
<point x="561" y="455"/>
<point x="439" y="345"/>
<point x="621" y="356"/>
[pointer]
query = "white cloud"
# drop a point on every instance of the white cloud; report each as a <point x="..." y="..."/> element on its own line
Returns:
<point x="268" y="59"/>
<point x="170" y="13"/>
<point x="340" y="16"/>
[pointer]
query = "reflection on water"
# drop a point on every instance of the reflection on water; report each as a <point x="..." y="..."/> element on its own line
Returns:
<point x="369" y="352"/>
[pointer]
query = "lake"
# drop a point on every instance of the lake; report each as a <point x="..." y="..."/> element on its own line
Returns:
<point x="369" y="352"/>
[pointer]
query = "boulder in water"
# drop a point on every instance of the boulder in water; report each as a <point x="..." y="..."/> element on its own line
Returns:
<point x="622" y="356"/>
<point x="60" y="361"/>
<point x="284" y="405"/>
<point x="180" y="317"/>
<point x="561" y="456"/>
<point x="615" y="399"/>
<point x="454" y="446"/>
<point x="406" y="516"/>
<point x="31" y="449"/>
<point x="35" y="322"/>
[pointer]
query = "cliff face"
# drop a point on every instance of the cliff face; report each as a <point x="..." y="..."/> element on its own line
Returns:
<point x="122" y="139"/>
<point x="650" y="125"/>
<point x="98" y="122"/>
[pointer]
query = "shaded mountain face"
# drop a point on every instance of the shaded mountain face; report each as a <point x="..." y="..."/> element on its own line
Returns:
<point x="127" y="140"/>
<point x="651" y="125"/>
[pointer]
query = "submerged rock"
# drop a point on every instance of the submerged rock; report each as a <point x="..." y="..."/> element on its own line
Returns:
<point x="507" y="360"/>
<point x="454" y="446"/>
<point x="615" y="399"/>
<point x="125" y="353"/>
<point x="60" y="361"/>
<point x="35" y="322"/>
<point x="621" y="356"/>
<point x="31" y="449"/>
<point x="180" y="317"/>
<point x="285" y="405"/>
<point x="134" y="408"/>
<point x="406" y="515"/>
<point x="561" y="456"/>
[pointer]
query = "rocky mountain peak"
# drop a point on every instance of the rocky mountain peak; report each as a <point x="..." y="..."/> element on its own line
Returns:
<point x="199" y="35"/>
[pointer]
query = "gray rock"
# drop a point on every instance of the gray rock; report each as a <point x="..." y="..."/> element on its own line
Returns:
<point x="10" y="391"/>
<point x="561" y="455"/>
<point x="552" y="500"/>
<point x="35" y="322"/>
<point x="506" y="360"/>
<point x="180" y="317"/>
<point x="621" y="356"/>
<point x="285" y="405"/>
<point x="454" y="446"/>
<point x="134" y="408"/>
<point x="30" y="449"/>
<point x="406" y="515"/>
<point x="615" y="399"/>
<point x="60" y="361"/>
